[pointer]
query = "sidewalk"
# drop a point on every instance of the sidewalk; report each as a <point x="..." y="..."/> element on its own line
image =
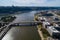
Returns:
<point x="40" y="33"/>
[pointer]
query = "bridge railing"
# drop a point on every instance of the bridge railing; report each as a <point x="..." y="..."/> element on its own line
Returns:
<point x="31" y="21"/>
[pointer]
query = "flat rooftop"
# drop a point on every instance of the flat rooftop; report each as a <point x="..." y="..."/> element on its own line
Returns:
<point x="53" y="29"/>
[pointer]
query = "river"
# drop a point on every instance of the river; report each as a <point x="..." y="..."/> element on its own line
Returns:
<point x="24" y="32"/>
<point x="25" y="17"/>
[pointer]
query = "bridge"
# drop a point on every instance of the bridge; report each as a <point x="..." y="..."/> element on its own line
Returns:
<point x="30" y="22"/>
<point x="23" y="23"/>
<point x="7" y="27"/>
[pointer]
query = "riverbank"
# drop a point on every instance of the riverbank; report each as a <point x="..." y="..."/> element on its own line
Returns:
<point x="38" y="27"/>
<point x="44" y="35"/>
<point x="8" y="18"/>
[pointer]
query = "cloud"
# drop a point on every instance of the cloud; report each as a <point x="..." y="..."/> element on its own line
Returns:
<point x="30" y="2"/>
<point x="53" y="3"/>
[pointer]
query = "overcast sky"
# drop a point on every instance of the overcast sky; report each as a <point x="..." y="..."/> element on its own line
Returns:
<point x="30" y="3"/>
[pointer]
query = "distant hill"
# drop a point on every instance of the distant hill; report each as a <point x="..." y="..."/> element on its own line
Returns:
<point x="26" y="9"/>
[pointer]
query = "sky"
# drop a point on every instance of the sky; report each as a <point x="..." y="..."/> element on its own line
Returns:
<point x="53" y="3"/>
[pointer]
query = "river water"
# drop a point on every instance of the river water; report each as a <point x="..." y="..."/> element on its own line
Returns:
<point x="25" y="17"/>
<point x="24" y="32"/>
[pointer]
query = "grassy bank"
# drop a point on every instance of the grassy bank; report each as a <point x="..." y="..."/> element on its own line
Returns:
<point x="45" y="33"/>
<point x="7" y="18"/>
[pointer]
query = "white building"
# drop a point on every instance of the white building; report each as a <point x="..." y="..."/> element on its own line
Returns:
<point x="53" y="32"/>
<point x="42" y="19"/>
<point x="46" y="24"/>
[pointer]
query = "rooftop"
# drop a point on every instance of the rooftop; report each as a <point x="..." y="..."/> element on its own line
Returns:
<point x="57" y="28"/>
<point x="47" y="23"/>
<point x="47" y="14"/>
<point x="53" y="29"/>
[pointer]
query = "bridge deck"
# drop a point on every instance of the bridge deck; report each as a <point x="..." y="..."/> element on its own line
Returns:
<point x="31" y="21"/>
